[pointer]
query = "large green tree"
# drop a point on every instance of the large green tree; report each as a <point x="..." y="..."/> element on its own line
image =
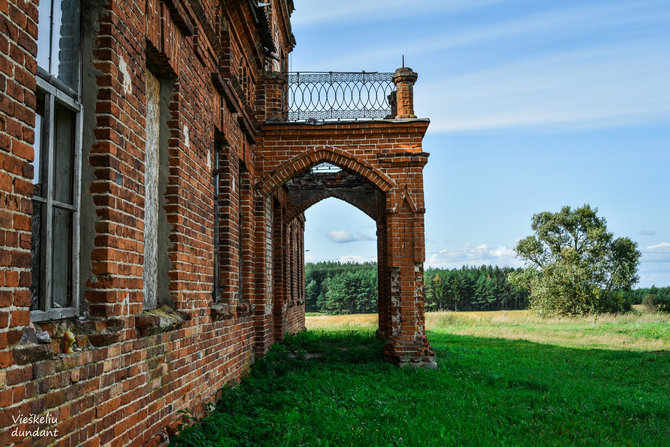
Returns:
<point x="574" y="265"/>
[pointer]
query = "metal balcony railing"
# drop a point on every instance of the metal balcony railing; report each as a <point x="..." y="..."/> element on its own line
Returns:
<point x="339" y="95"/>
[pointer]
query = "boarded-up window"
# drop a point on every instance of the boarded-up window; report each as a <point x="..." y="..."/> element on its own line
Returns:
<point x="151" y="184"/>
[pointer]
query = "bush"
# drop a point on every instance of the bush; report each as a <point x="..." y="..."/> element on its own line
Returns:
<point x="663" y="301"/>
<point x="617" y="302"/>
<point x="649" y="301"/>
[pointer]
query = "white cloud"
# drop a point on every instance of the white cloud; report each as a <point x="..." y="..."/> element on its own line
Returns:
<point x="357" y="259"/>
<point x="340" y="236"/>
<point x="482" y="254"/>
<point x="646" y="233"/>
<point x="657" y="246"/>
<point x="343" y="236"/>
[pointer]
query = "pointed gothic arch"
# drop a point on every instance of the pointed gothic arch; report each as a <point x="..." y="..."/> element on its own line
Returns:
<point x="319" y="154"/>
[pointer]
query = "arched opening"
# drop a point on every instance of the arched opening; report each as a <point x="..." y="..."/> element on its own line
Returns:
<point x="318" y="184"/>
<point x="341" y="274"/>
<point x="383" y="183"/>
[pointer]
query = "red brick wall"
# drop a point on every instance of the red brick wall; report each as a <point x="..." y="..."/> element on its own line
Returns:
<point x="18" y="33"/>
<point x="135" y="368"/>
<point x="123" y="387"/>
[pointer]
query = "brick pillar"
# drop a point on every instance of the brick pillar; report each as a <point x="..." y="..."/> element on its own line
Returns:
<point x="407" y="343"/>
<point x="281" y="253"/>
<point x="383" y="274"/>
<point x="247" y="230"/>
<point x="275" y="106"/>
<point x="263" y="269"/>
<point x="404" y="79"/>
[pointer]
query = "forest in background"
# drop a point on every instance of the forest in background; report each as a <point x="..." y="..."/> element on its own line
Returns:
<point x="351" y="288"/>
<point x="346" y="288"/>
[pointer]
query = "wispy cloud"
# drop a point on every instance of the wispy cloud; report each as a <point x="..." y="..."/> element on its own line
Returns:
<point x="655" y="265"/>
<point x="482" y="254"/>
<point x="313" y="13"/>
<point x="550" y="24"/>
<point x="646" y="233"/>
<point x="357" y="259"/>
<point x="657" y="246"/>
<point x="585" y="89"/>
<point x="576" y="87"/>
<point x="343" y="236"/>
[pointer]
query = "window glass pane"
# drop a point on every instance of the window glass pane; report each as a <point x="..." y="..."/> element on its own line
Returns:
<point x="38" y="165"/>
<point x="44" y="35"/>
<point x="64" y="124"/>
<point x="36" y="251"/>
<point x="65" y="41"/>
<point x="61" y="267"/>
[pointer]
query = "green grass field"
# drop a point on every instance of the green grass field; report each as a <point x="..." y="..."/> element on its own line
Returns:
<point x="504" y="378"/>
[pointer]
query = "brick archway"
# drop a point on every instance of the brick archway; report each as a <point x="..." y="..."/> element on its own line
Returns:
<point x="304" y="206"/>
<point x="386" y="155"/>
<point x="308" y="188"/>
<point x="289" y="168"/>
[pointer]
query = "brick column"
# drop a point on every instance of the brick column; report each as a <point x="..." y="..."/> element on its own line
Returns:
<point x="281" y="253"/>
<point x="275" y="98"/>
<point x="383" y="278"/>
<point x="407" y="343"/>
<point x="404" y="79"/>
<point x="263" y="270"/>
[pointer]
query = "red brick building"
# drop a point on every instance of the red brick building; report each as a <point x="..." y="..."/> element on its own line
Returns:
<point x="156" y="159"/>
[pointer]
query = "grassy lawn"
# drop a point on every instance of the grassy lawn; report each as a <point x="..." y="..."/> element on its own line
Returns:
<point x="504" y="378"/>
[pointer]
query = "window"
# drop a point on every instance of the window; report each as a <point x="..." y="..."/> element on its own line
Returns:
<point x="57" y="166"/>
<point x="152" y="187"/>
<point x="217" y="222"/>
<point x="58" y="38"/>
<point x="243" y="200"/>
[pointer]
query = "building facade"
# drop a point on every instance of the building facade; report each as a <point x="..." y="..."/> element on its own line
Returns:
<point x="153" y="181"/>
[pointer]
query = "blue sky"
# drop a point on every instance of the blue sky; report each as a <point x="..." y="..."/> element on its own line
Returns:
<point x="533" y="106"/>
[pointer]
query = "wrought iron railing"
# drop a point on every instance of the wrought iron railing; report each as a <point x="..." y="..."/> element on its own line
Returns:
<point x="339" y="95"/>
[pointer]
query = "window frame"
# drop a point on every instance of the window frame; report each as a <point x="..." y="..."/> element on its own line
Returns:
<point x="56" y="91"/>
<point x="216" y="174"/>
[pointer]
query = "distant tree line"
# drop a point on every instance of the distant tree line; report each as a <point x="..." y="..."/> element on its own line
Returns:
<point x="472" y="288"/>
<point x="341" y="288"/>
<point x="654" y="298"/>
<point x="347" y="288"/>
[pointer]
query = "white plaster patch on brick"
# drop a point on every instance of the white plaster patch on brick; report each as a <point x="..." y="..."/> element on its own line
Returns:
<point x="151" y="163"/>
<point x="209" y="161"/>
<point x="127" y="81"/>
<point x="187" y="142"/>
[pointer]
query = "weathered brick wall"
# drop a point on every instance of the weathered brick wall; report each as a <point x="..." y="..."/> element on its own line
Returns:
<point x="18" y="32"/>
<point x="125" y="386"/>
<point x="136" y="366"/>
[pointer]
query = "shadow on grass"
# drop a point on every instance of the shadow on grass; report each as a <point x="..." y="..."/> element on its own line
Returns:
<point x="333" y="388"/>
<point x="317" y="347"/>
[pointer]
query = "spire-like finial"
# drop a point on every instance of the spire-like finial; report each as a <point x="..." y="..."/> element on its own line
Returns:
<point x="403" y="60"/>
